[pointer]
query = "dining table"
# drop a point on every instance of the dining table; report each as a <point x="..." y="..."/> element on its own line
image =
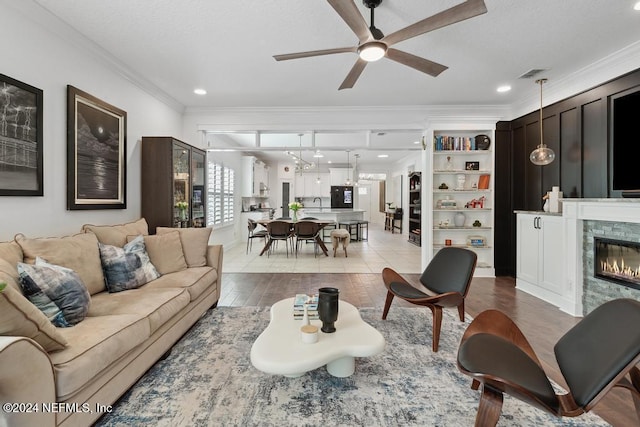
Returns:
<point x="322" y="223"/>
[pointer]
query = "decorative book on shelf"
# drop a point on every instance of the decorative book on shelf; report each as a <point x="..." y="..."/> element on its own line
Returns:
<point x="311" y="301"/>
<point x="483" y="182"/>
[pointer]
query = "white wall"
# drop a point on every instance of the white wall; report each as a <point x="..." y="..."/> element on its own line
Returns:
<point x="46" y="59"/>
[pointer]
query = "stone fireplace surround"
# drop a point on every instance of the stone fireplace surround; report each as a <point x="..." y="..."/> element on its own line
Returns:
<point x="585" y="219"/>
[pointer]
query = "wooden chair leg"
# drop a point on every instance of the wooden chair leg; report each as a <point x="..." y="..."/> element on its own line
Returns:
<point x="461" y="311"/>
<point x="387" y="304"/>
<point x="490" y="408"/>
<point x="437" y="324"/>
<point x="634" y="373"/>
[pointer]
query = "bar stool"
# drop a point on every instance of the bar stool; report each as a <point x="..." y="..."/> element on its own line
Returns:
<point x="351" y="227"/>
<point x="340" y="236"/>
<point x="362" y="225"/>
<point x="326" y="231"/>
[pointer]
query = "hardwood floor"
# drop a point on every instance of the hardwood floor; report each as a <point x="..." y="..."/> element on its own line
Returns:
<point x="542" y="323"/>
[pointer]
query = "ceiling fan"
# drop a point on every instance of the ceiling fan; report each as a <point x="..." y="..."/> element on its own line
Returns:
<point x="374" y="45"/>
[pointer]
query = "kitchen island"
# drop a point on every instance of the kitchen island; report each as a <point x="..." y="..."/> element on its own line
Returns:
<point x="337" y="215"/>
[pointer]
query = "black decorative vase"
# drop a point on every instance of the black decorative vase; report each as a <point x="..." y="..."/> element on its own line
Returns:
<point x="328" y="308"/>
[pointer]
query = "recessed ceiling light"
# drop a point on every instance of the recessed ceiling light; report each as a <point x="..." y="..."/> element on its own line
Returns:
<point x="636" y="6"/>
<point x="382" y="156"/>
<point x="505" y="88"/>
<point x="200" y="91"/>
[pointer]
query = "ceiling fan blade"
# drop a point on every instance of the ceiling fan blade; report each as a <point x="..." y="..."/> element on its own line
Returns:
<point x="416" y="62"/>
<point x="353" y="75"/>
<point x="466" y="10"/>
<point x="287" y="56"/>
<point x="349" y="12"/>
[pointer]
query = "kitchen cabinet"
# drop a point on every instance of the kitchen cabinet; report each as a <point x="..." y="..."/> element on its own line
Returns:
<point x="306" y="185"/>
<point x="540" y="254"/>
<point x="173" y="173"/>
<point x="339" y="176"/>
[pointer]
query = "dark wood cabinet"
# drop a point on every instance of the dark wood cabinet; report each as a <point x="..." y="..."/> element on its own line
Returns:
<point x="577" y="129"/>
<point x="173" y="183"/>
<point x="415" y="206"/>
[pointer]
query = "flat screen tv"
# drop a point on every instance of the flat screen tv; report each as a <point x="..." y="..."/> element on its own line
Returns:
<point x="625" y="117"/>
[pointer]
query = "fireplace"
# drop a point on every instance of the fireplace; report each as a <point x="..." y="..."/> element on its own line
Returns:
<point x="617" y="261"/>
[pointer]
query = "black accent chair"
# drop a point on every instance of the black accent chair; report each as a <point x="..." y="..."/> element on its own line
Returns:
<point x="594" y="356"/>
<point x="279" y="230"/>
<point x="447" y="278"/>
<point x="306" y="231"/>
<point x="253" y="234"/>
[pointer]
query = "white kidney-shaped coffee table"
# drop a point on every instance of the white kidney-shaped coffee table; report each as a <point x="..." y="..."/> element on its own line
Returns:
<point x="279" y="348"/>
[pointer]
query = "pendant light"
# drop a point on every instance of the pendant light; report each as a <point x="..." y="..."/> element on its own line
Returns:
<point x="542" y="155"/>
<point x="318" y="178"/>
<point x="348" y="181"/>
<point x="356" y="177"/>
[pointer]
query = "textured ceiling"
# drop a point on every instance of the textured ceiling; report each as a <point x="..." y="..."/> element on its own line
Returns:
<point x="226" y="47"/>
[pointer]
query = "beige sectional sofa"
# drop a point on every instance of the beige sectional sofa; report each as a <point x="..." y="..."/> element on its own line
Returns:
<point x="71" y="375"/>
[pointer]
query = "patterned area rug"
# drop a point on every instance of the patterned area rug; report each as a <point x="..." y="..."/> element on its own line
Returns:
<point x="208" y="380"/>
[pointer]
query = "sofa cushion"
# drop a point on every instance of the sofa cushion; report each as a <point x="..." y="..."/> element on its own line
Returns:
<point x="11" y="253"/>
<point x="158" y="305"/>
<point x="18" y="317"/>
<point x="195" y="280"/>
<point x="128" y="267"/>
<point x="78" y="252"/>
<point x="56" y="291"/>
<point x="194" y="243"/>
<point x="116" y="235"/>
<point x="94" y="345"/>
<point x="165" y="252"/>
<point x="9" y="270"/>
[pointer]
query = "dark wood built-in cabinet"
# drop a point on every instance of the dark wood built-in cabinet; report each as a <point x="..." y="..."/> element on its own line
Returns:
<point x="415" y="214"/>
<point x="578" y="130"/>
<point x="173" y="183"/>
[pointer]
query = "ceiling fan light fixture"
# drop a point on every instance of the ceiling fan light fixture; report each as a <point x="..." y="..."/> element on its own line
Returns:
<point x="372" y="51"/>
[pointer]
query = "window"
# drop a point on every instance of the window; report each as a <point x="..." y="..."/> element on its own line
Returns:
<point x="220" y="189"/>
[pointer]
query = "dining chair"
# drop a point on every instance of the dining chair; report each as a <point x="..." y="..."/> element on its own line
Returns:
<point x="305" y="231"/>
<point x="447" y="279"/>
<point x="594" y="356"/>
<point x="253" y="234"/>
<point x="280" y="230"/>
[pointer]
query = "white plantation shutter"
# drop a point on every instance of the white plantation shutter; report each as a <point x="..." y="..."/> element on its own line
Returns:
<point x="220" y="187"/>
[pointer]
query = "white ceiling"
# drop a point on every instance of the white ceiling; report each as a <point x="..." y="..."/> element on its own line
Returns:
<point x="226" y="47"/>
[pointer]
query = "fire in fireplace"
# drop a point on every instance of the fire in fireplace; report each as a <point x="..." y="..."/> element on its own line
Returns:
<point x="617" y="261"/>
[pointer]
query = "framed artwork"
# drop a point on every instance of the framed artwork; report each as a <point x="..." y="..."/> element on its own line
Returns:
<point x="96" y="153"/>
<point x="20" y="138"/>
<point x="472" y="166"/>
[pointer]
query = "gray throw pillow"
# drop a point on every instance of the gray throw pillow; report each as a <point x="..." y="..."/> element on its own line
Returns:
<point x="57" y="291"/>
<point x="128" y="267"/>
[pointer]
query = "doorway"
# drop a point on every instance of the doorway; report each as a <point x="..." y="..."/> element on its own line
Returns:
<point x="286" y="186"/>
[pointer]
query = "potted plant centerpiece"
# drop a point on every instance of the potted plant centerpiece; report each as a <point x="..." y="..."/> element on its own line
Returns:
<point x="295" y="207"/>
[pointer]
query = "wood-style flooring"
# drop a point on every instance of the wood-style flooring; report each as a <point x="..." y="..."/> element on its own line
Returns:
<point x="542" y="323"/>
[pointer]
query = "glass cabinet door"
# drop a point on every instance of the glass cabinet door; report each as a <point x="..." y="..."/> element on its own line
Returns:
<point x="198" y="195"/>
<point x="181" y="185"/>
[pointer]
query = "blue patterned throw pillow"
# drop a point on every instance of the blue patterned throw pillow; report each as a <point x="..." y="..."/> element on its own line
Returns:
<point x="128" y="267"/>
<point x="57" y="291"/>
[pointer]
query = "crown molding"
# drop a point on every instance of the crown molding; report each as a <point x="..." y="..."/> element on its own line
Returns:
<point x="606" y="69"/>
<point x="44" y="18"/>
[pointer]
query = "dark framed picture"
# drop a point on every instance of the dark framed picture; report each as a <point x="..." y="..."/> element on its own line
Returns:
<point x="20" y="138"/>
<point x="472" y="166"/>
<point x="96" y="153"/>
